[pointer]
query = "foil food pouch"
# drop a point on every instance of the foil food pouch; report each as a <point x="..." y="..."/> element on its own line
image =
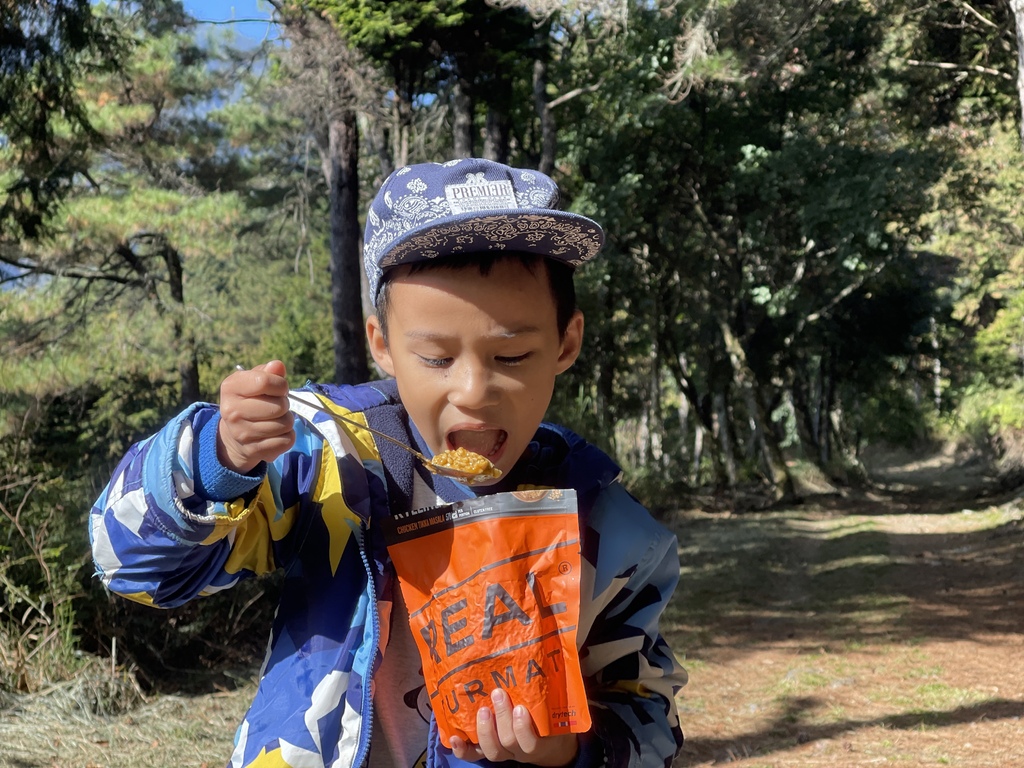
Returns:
<point x="492" y="587"/>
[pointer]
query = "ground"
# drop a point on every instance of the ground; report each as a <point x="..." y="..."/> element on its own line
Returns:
<point x="879" y="626"/>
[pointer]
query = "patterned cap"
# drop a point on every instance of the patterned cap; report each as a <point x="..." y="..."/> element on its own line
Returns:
<point x="470" y="206"/>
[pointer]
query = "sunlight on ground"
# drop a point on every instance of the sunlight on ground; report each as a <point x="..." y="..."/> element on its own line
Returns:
<point x="833" y="637"/>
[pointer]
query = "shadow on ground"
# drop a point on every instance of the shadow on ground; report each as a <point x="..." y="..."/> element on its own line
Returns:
<point x="789" y="729"/>
<point x="883" y="566"/>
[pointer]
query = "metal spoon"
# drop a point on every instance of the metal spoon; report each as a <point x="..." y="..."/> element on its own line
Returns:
<point x="469" y="478"/>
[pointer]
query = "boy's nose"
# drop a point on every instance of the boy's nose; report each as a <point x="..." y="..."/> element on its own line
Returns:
<point x="473" y="388"/>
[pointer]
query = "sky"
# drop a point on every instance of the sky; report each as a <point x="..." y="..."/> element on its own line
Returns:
<point x="228" y="10"/>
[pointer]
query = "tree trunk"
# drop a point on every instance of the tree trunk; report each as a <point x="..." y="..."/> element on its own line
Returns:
<point x="330" y="105"/>
<point x="698" y="453"/>
<point x="605" y="373"/>
<point x="727" y="465"/>
<point x="824" y="409"/>
<point x="744" y="377"/>
<point x="678" y="367"/>
<point x="341" y="169"/>
<point x="800" y="408"/>
<point x="400" y="152"/>
<point x="548" y="131"/>
<point x="657" y="429"/>
<point x="936" y="364"/>
<point x="184" y="341"/>
<point x="759" y="437"/>
<point x="462" y="120"/>
<point x="496" y="136"/>
<point x="379" y="137"/>
<point x="683" y="417"/>
<point x="1018" y="17"/>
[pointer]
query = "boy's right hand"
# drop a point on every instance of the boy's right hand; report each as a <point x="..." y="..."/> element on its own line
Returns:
<point x="255" y="423"/>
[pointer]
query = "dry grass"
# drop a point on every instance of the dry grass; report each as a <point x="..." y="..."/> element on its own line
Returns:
<point x="61" y="728"/>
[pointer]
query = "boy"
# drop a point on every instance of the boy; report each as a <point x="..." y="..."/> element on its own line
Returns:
<point x="470" y="268"/>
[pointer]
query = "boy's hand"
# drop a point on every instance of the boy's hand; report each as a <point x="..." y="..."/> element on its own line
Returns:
<point x="255" y="423"/>
<point x="507" y="733"/>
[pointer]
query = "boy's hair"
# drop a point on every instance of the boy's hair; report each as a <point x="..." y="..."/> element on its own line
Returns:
<point x="560" y="281"/>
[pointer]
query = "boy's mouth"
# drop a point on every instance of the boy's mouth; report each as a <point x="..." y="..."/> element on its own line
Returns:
<point x="485" y="442"/>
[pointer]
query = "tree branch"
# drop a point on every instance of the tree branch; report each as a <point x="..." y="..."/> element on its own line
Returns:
<point x="959" y="68"/>
<point x="267" y="21"/>
<point x="971" y="10"/>
<point x="813" y="317"/>
<point x="709" y="228"/>
<point x="77" y="273"/>
<point x="574" y="93"/>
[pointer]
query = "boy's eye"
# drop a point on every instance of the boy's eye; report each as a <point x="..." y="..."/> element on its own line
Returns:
<point x="514" y="360"/>
<point x="435" y="362"/>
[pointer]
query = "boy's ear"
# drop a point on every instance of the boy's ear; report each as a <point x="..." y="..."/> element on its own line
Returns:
<point x="378" y="345"/>
<point x="572" y="342"/>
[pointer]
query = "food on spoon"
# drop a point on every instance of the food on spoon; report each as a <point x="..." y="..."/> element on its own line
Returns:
<point x="465" y="461"/>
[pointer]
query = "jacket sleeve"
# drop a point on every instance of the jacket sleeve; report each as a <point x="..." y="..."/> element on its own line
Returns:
<point x="630" y="672"/>
<point x="160" y="537"/>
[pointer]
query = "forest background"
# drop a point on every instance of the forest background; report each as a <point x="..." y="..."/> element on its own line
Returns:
<point x="814" y="245"/>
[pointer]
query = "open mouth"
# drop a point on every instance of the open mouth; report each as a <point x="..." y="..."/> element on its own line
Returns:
<point x="485" y="442"/>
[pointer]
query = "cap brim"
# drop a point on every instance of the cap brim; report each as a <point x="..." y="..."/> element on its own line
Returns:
<point x="560" y="235"/>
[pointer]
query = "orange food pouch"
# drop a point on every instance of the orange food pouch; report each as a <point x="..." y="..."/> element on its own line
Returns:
<point x="492" y="587"/>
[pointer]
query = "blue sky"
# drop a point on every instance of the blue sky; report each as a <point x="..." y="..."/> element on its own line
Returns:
<point x="229" y="10"/>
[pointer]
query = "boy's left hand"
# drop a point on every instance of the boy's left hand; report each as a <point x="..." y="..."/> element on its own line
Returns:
<point x="507" y="733"/>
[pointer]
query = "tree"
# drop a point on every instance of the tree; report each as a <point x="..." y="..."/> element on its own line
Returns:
<point x="953" y="58"/>
<point x="401" y="39"/>
<point x="334" y="85"/>
<point x="45" y="47"/>
<point x="421" y="46"/>
<point x="745" y="220"/>
<point x="1017" y="8"/>
<point x="156" y="199"/>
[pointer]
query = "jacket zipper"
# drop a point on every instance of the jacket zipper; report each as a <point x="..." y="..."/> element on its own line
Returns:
<point x="367" y="706"/>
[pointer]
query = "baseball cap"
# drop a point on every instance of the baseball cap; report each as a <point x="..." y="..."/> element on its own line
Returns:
<point x="468" y="206"/>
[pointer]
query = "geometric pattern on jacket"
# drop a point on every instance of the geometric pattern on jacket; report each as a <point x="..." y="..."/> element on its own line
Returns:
<point x="158" y="540"/>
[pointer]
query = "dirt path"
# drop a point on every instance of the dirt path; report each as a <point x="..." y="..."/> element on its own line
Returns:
<point x="878" y="629"/>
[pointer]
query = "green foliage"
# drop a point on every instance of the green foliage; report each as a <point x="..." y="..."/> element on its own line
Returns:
<point x="429" y="51"/>
<point x="387" y="28"/>
<point x="300" y="334"/>
<point x="91" y="356"/>
<point x="993" y="420"/>
<point x="175" y="208"/>
<point x="45" y="130"/>
<point x="892" y="416"/>
<point x="955" y="62"/>
<point x="576" y="406"/>
<point x="54" y="448"/>
<point x="763" y="232"/>
<point x="985" y="411"/>
<point x="979" y="228"/>
<point x="1000" y="345"/>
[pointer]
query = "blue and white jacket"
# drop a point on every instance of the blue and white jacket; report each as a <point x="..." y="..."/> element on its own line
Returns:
<point x="173" y="525"/>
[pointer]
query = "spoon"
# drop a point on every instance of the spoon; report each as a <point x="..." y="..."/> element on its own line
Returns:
<point x="482" y="475"/>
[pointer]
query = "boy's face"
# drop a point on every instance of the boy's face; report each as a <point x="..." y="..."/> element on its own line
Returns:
<point x="475" y="356"/>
